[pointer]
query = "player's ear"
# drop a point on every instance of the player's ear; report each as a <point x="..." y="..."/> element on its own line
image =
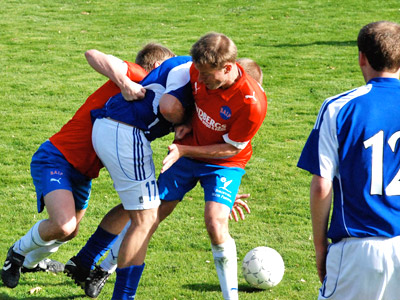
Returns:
<point x="157" y="64"/>
<point x="362" y="59"/>
<point x="227" y="68"/>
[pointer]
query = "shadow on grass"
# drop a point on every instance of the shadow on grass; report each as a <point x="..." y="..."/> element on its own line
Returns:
<point x="319" y="43"/>
<point x="206" y="287"/>
<point x="4" y="296"/>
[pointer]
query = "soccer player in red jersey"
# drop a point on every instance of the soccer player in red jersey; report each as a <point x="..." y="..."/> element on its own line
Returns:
<point x="230" y="107"/>
<point x="63" y="167"/>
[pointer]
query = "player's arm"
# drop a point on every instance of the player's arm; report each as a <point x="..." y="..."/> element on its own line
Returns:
<point x="171" y="109"/>
<point x="320" y="205"/>
<point x="176" y="151"/>
<point x="116" y="70"/>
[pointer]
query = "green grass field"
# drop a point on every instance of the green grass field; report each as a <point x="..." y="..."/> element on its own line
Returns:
<point x="307" y="51"/>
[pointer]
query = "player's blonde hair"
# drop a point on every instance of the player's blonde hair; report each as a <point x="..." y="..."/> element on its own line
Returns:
<point x="214" y="49"/>
<point x="251" y="68"/>
<point x="152" y="53"/>
<point x="380" y="42"/>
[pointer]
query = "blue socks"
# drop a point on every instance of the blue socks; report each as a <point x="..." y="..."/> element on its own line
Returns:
<point x="127" y="282"/>
<point x="98" y="244"/>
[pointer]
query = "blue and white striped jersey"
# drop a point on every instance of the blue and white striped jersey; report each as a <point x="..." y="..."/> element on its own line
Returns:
<point x="355" y="143"/>
<point x="171" y="77"/>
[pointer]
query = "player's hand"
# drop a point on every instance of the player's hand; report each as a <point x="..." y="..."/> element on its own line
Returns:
<point x="182" y="130"/>
<point x="173" y="155"/>
<point x="238" y="206"/>
<point x="132" y="91"/>
<point x="320" y="258"/>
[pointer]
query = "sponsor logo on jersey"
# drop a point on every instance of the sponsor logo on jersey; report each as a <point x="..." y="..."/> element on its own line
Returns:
<point x="226" y="184"/>
<point x="222" y="191"/>
<point x="56" y="180"/>
<point x="225" y="112"/>
<point x="208" y="121"/>
<point x="251" y="98"/>
<point x="196" y="88"/>
<point x="56" y="172"/>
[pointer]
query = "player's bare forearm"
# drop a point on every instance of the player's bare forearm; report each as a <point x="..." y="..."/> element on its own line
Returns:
<point x="223" y="150"/>
<point x="320" y="205"/>
<point x="110" y="67"/>
<point x="176" y="151"/>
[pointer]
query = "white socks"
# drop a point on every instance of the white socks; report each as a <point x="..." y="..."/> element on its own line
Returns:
<point x="225" y="260"/>
<point x="31" y="241"/>
<point x="37" y="255"/>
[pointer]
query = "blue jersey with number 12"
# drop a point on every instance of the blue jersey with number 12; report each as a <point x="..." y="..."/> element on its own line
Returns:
<point x="356" y="143"/>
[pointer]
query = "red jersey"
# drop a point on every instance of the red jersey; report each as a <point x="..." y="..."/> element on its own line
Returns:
<point x="74" y="140"/>
<point x="237" y="112"/>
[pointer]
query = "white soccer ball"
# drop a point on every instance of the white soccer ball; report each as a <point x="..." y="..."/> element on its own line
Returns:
<point x="263" y="267"/>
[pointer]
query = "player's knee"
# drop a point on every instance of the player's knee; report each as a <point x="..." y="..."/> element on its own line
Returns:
<point x="65" y="230"/>
<point x="146" y="220"/>
<point x="217" y="230"/>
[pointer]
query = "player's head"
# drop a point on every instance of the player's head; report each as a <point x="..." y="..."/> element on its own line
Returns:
<point x="251" y="68"/>
<point x="152" y="55"/>
<point x="380" y="43"/>
<point x="214" y="56"/>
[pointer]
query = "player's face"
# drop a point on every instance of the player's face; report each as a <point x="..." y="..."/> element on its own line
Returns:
<point x="211" y="77"/>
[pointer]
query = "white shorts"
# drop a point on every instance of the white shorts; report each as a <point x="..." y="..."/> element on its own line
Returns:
<point x="363" y="269"/>
<point x="127" y="155"/>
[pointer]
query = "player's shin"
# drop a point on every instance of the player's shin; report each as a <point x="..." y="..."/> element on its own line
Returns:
<point x="109" y="264"/>
<point x="127" y="282"/>
<point x="100" y="242"/>
<point x="225" y="260"/>
<point x="31" y="241"/>
<point x="38" y="255"/>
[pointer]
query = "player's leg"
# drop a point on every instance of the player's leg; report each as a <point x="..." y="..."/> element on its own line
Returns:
<point x="60" y="224"/>
<point x="133" y="252"/>
<point x="98" y="277"/>
<point x="223" y="247"/>
<point x="38" y="261"/>
<point x="51" y="175"/>
<point x="220" y="188"/>
<point x="79" y="266"/>
<point x="127" y="155"/>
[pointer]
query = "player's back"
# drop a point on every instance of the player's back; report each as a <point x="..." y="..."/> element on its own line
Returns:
<point x="74" y="139"/>
<point x="367" y="191"/>
<point x="171" y="77"/>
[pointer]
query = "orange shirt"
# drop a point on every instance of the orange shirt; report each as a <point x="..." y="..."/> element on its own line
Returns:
<point x="237" y="111"/>
<point x="74" y="140"/>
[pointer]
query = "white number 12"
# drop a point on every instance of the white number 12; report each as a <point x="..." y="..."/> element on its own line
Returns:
<point x="377" y="144"/>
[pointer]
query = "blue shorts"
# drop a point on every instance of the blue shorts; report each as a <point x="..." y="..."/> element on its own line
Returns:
<point x="51" y="171"/>
<point x="220" y="184"/>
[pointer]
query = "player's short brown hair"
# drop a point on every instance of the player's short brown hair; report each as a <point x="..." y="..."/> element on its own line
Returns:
<point x="150" y="54"/>
<point x="214" y="49"/>
<point x="251" y="68"/>
<point x="380" y="42"/>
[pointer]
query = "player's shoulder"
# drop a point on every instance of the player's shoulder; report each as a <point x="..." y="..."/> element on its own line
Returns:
<point x="175" y="61"/>
<point x="252" y="92"/>
<point x="338" y="101"/>
<point x="135" y="71"/>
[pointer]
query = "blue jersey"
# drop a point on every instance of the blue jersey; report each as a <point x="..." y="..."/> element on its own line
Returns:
<point x="355" y="143"/>
<point x="172" y="77"/>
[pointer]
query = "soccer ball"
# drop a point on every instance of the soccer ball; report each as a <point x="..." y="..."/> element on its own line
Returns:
<point x="263" y="267"/>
